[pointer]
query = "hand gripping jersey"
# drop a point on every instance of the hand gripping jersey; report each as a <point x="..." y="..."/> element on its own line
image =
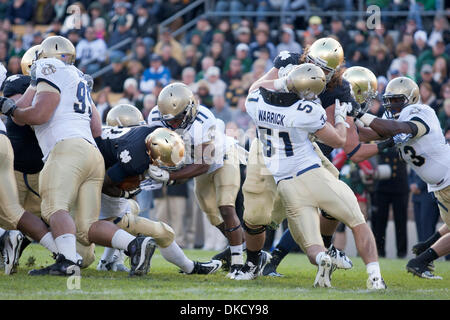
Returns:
<point x="205" y="129"/>
<point x="124" y="151"/>
<point x="428" y="155"/>
<point x="283" y="125"/>
<point x="72" y="117"/>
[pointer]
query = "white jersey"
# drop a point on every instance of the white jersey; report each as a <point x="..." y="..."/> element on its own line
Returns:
<point x="72" y="117"/>
<point x="205" y="129"/>
<point x="283" y="131"/>
<point x="428" y="155"/>
<point x="2" y="126"/>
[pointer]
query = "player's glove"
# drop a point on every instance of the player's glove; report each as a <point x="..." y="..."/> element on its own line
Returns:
<point x="130" y="194"/>
<point x="354" y="110"/>
<point x="389" y="143"/>
<point x="158" y="174"/>
<point x="340" y="112"/>
<point x="89" y="80"/>
<point x="401" y="138"/>
<point x="7" y="106"/>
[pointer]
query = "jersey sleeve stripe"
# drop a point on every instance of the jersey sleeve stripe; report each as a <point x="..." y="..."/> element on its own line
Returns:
<point x="48" y="82"/>
<point x="422" y="122"/>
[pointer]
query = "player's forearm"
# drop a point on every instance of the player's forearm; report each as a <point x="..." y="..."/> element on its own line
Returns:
<point x="368" y="134"/>
<point x="27" y="98"/>
<point x="189" y="171"/>
<point x="109" y="188"/>
<point x="341" y="137"/>
<point x="364" y="152"/>
<point x="385" y="127"/>
<point x="96" y="123"/>
<point x="267" y="77"/>
<point x="41" y="112"/>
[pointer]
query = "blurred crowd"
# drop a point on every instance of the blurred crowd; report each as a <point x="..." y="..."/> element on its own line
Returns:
<point x="131" y="57"/>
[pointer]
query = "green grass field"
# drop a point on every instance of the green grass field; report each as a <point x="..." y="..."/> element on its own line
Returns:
<point x="164" y="282"/>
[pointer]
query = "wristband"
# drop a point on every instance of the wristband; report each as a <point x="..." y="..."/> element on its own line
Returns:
<point x="366" y="118"/>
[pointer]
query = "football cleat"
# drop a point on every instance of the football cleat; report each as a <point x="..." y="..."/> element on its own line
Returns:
<point x="271" y="268"/>
<point x="140" y="251"/>
<point x="206" y="267"/>
<point x="375" y="282"/>
<point x="233" y="270"/>
<point x="12" y="240"/>
<point x="250" y="271"/>
<point x="339" y="259"/>
<point x="418" y="249"/>
<point x="323" y="276"/>
<point x="225" y="258"/>
<point x="62" y="267"/>
<point x="416" y="267"/>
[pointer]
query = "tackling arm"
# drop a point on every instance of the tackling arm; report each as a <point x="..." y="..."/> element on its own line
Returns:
<point x="266" y="81"/>
<point x="42" y="110"/>
<point x="191" y="170"/>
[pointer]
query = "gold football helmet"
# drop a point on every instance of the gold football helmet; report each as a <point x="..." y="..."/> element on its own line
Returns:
<point x="57" y="47"/>
<point x="165" y="148"/>
<point x="399" y="93"/>
<point x="307" y="80"/>
<point x="363" y="84"/>
<point x="326" y="53"/>
<point x="124" y="115"/>
<point x="29" y="58"/>
<point x="177" y="106"/>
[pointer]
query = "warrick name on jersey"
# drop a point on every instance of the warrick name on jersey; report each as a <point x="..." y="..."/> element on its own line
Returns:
<point x="283" y="125"/>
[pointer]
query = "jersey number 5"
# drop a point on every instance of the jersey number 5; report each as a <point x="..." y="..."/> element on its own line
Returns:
<point x="266" y="138"/>
<point x="415" y="159"/>
<point x="80" y="106"/>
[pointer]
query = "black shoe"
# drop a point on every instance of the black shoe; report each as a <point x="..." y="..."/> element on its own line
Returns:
<point x="62" y="267"/>
<point x="140" y="251"/>
<point x="420" y="269"/>
<point x="418" y="249"/>
<point x="271" y="268"/>
<point x="206" y="267"/>
<point x="225" y="258"/>
<point x="250" y="271"/>
<point x="235" y="268"/>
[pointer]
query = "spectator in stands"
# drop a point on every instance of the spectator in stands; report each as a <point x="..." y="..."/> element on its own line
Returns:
<point x="235" y="70"/>
<point x="444" y="113"/>
<point x="17" y="48"/>
<point x="54" y="29"/>
<point x="216" y="53"/>
<point x="99" y="26"/>
<point x="156" y="73"/>
<point x="440" y="74"/>
<point x="188" y="78"/>
<point x="95" y="11"/>
<point x="121" y="14"/>
<point x="440" y="24"/>
<point x="227" y="48"/>
<point x="102" y="104"/>
<point x="191" y="57"/>
<point x="145" y="27"/>
<point x="169" y="8"/>
<point x="149" y="104"/>
<point x="43" y="12"/>
<point x="234" y="91"/>
<point x="315" y="28"/>
<point x="258" y="70"/>
<point x="121" y="33"/>
<point x="221" y="110"/>
<point x="60" y="7"/>
<point x="404" y="53"/>
<point x="169" y="62"/>
<point x="385" y="38"/>
<point x="204" y="29"/>
<point x="359" y="44"/>
<point x="196" y="40"/>
<point x="205" y="64"/>
<point x="225" y="27"/>
<point x="338" y="30"/>
<point x="235" y="6"/>
<point x="240" y="116"/>
<point x="78" y="18"/>
<point x="153" y="7"/>
<point x="426" y="75"/>
<point x="73" y="35"/>
<point x="216" y="85"/>
<point x="243" y="35"/>
<point x="287" y="42"/>
<point x="426" y="211"/>
<point x="4" y="5"/>
<point x="429" y="56"/>
<point x="420" y="43"/>
<point x="381" y="62"/>
<point x="135" y="69"/>
<point x="203" y="94"/>
<point x="165" y="37"/>
<point x="13" y="66"/>
<point x="141" y="54"/>
<point x="91" y="52"/>
<point x="19" y="11"/>
<point x="358" y="58"/>
<point x="115" y="78"/>
<point x="132" y="94"/>
<point x="27" y="37"/>
<point x="241" y="53"/>
<point x="427" y="96"/>
<point x="393" y="191"/>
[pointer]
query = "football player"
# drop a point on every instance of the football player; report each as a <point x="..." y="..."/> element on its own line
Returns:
<point x="64" y="118"/>
<point x="421" y="143"/>
<point x="129" y="148"/>
<point x="12" y="215"/>
<point x="213" y="162"/>
<point x="284" y="122"/>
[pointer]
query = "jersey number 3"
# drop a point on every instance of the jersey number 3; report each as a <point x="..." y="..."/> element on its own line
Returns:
<point x="415" y="159"/>
<point x="80" y="106"/>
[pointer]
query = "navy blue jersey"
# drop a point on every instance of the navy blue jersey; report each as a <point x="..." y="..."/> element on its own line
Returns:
<point x="124" y="151"/>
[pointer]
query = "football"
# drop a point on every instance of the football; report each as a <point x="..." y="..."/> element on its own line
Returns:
<point x="130" y="183"/>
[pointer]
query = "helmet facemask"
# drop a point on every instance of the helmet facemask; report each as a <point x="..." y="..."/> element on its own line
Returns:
<point x="393" y="104"/>
<point x="329" y="72"/>
<point x="185" y="118"/>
